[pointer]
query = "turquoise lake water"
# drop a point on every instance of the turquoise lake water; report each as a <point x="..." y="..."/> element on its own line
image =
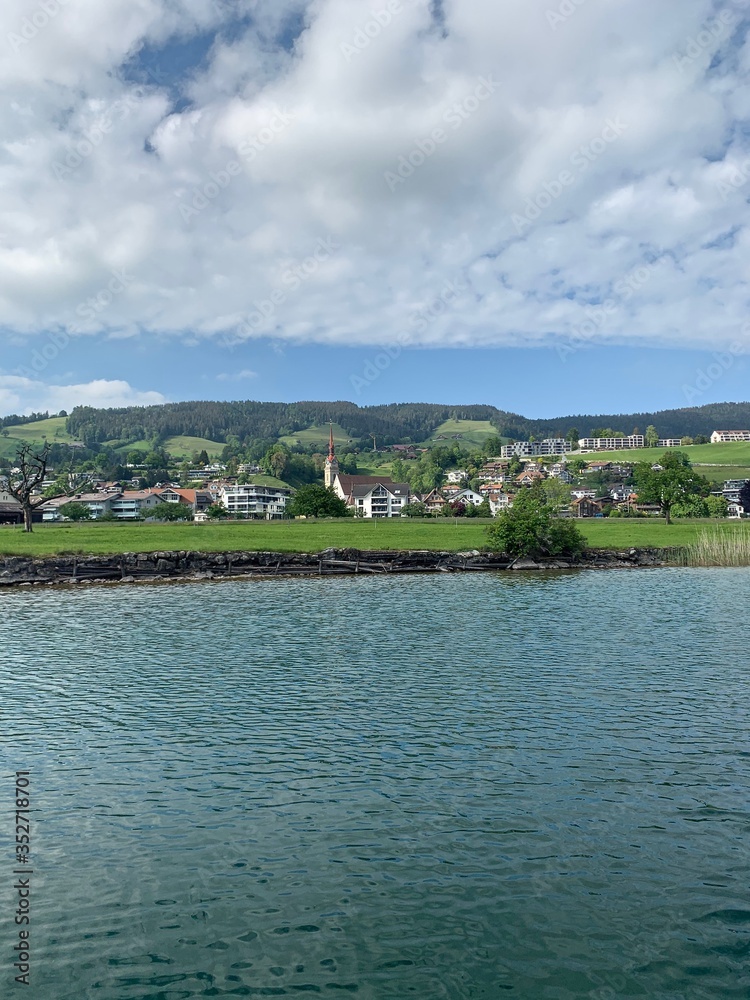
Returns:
<point x="453" y="787"/>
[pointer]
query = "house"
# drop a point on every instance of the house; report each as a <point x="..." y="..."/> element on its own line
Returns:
<point x="456" y="475"/>
<point x="734" y="510"/>
<point x="131" y="505"/>
<point x="499" y="501"/>
<point x="254" y="499"/>
<point x="586" y="507"/>
<point x="11" y="511"/>
<point x="434" y="501"/>
<point x="721" y="437"/>
<point x="528" y="477"/>
<point x="669" y="442"/>
<point x="99" y="504"/>
<point x="372" y="496"/>
<point x="598" y="466"/>
<point x="580" y="494"/>
<point x="469" y="496"/>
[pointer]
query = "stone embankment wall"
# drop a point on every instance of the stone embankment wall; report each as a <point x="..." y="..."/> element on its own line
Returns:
<point x="150" y="566"/>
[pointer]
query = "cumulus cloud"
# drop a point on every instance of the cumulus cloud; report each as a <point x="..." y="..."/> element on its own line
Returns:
<point x="533" y="154"/>
<point x="25" y="395"/>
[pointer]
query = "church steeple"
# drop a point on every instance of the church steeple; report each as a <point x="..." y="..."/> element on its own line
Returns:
<point x="332" y="465"/>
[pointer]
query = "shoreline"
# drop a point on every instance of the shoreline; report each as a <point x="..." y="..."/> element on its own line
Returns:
<point x="152" y="567"/>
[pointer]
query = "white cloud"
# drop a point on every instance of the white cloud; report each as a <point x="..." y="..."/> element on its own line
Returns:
<point x="211" y="208"/>
<point x="24" y="395"/>
<point x="236" y="376"/>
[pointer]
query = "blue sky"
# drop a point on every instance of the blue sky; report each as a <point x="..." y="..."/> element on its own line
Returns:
<point x="538" y="205"/>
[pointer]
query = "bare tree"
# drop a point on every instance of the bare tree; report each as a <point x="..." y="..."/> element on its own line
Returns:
<point x="24" y="485"/>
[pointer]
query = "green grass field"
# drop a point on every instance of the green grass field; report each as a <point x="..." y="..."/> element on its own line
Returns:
<point x="312" y="536"/>
<point x="737" y="454"/>
<point x="36" y="432"/>
<point x="473" y="432"/>
<point x="180" y="447"/>
<point x="317" y="435"/>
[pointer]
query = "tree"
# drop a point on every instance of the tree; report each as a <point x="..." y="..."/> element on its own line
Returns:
<point x="24" y="484"/>
<point x="75" y="511"/>
<point x="414" y="510"/>
<point x="717" y="506"/>
<point x="652" y="437"/>
<point x="217" y="511"/>
<point x="573" y="436"/>
<point x="203" y="459"/>
<point x="671" y="485"/>
<point x="529" y="529"/>
<point x="171" y="512"/>
<point x="556" y="494"/>
<point x="484" y="509"/>
<point x="315" y="500"/>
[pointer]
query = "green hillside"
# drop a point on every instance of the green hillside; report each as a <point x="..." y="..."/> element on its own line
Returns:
<point x="468" y="432"/>
<point x="317" y="435"/>
<point x="36" y="432"/>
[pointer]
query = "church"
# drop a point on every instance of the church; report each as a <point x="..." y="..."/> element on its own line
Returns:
<point x="368" y="496"/>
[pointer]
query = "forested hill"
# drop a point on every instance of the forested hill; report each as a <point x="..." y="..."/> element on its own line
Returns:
<point x="392" y="424"/>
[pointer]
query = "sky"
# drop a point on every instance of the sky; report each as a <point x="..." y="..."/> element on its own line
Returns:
<point x="538" y="204"/>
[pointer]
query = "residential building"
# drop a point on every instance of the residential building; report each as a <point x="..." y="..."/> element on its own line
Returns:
<point x="434" y="501"/>
<point x="254" y="499"/>
<point x="612" y="443"/>
<point x="669" y="443"/>
<point x="534" y="449"/>
<point x="131" y="505"/>
<point x="372" y="496"/>
<point x="98" y="503"/>
<point x="722" y="437"/>
<point x="469" y="496"/>
<point x="731" y="489"/>
<point x="586" y="507"/>
<point x="529" y="477"/>
<point x="11" y="511"/>
<point x="456" y="475"/>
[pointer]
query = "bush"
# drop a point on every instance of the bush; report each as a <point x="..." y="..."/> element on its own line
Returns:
<point x="529" y="529"/>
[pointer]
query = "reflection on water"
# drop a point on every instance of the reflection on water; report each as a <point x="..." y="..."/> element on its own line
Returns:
<point x="460" y="787"/>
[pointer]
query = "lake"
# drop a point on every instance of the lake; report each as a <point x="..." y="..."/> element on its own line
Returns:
<point x="458" y="786"/>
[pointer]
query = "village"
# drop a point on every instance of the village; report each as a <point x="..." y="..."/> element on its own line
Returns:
<point x="581" y="482"/>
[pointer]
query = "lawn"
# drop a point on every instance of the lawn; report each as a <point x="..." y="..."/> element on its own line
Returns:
<point x="312" y="536"/>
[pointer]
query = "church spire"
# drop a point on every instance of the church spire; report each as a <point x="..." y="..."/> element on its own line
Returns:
<point x="332" y="463"/>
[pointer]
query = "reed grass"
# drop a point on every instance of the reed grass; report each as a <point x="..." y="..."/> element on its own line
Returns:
<point x="713" y="547"/>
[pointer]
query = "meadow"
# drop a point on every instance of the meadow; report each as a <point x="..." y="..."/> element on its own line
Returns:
<point x="313" y="536"/>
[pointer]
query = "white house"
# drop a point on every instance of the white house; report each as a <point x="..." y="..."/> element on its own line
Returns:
<point x="372" y="496"/>
<point x="470" y="496"/>
<point x="255" y="499"/>
<point x="612" y="443"/>
<point x="456" y="475"/>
